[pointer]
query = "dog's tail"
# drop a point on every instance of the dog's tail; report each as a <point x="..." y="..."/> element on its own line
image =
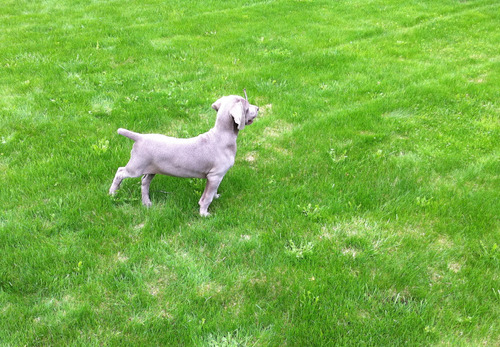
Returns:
<point x="130" y="134"/>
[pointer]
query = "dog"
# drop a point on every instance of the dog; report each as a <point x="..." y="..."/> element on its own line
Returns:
<point x="209" y="155"/>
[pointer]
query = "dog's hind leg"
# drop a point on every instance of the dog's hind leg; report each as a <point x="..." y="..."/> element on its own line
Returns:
<point x="117" y="181"/>
<point x="121" y="174"/>
<point x="145" y="182"/>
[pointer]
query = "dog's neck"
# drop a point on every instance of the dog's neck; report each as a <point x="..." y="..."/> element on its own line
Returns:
<point x="226" y="124"/>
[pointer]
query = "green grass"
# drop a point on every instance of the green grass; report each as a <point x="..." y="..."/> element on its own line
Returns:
<point x="362" y="208"/>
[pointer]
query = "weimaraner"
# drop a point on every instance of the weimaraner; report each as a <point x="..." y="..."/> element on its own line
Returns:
<point x="209" y="155"/>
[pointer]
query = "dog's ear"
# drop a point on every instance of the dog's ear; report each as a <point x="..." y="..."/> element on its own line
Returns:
<point x="238" y="112"/>
<point x="216" y="105"/>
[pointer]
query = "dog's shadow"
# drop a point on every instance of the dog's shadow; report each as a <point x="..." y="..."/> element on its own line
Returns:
<point x="165" y="190"/>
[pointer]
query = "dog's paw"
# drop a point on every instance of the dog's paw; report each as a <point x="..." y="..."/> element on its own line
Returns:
<point x="204" y="214"/>
<point x="216" y="196"/>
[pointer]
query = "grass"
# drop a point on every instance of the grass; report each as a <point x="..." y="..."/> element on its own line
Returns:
<point x="362" y="208"/>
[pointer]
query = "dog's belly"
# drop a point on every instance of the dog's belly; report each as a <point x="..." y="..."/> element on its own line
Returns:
<point x="176" y="171"/>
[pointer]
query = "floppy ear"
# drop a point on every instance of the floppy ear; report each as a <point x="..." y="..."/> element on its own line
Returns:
<point x="238" y="113"/>
<point x="216" y="105"/>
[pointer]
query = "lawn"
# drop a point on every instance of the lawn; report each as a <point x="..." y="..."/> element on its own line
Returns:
<point x="362" y="209"/>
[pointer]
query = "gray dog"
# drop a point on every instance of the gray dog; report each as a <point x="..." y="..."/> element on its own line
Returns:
<point x="209" y="155"/>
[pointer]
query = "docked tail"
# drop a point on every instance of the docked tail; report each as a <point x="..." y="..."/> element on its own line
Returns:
<point x="130" y="134"/>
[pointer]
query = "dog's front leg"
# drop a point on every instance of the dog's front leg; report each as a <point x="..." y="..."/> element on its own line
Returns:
<point x="145" y="182"/>
<point x="209" y="193"/>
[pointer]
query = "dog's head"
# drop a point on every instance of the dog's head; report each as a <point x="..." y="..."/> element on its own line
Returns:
<point x="242" y="112"/>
